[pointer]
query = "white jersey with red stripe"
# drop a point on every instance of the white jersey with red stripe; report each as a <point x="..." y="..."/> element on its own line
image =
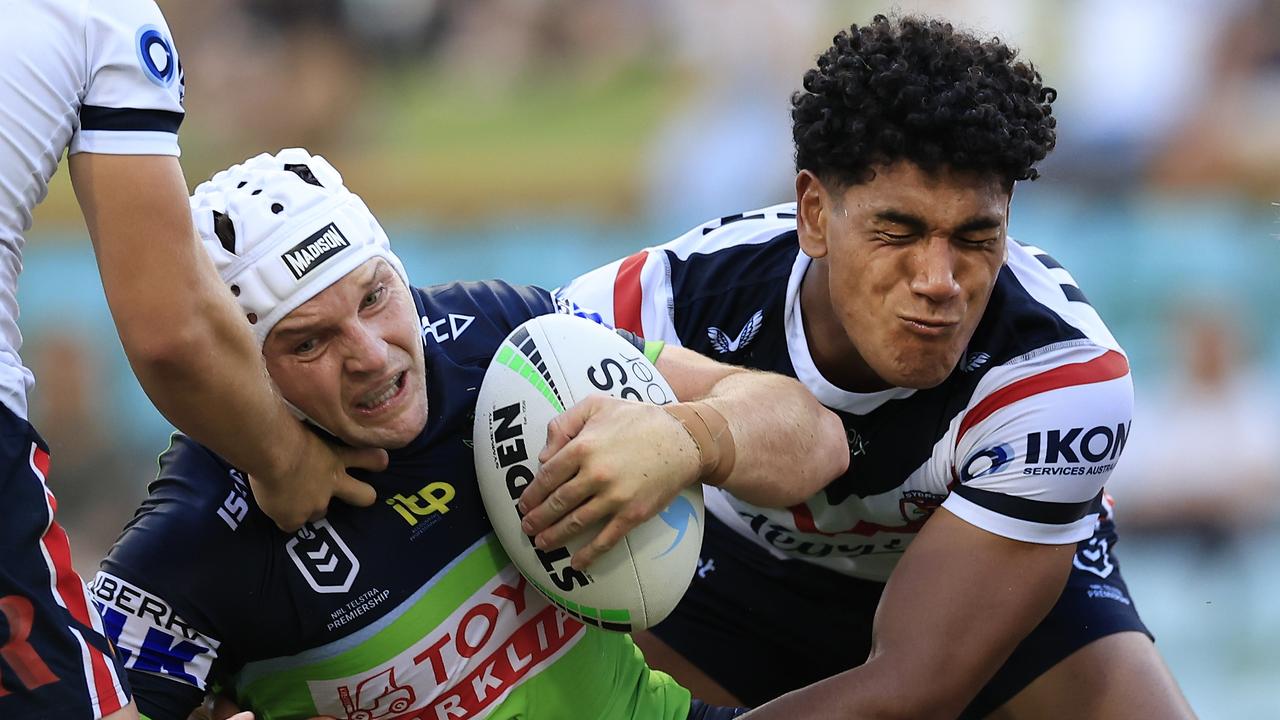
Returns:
<point x="1019" y="440"/>
<point x="100" y="77"/>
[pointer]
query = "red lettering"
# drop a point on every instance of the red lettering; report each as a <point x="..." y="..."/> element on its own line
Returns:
<point x="514" y="594"/>
<point x="563" y="621"/>
<point x="449" y="706"/>
<point x="437" y="662"/>
<point x="490" y="613"/>
<point x="545" y="634"/>
<point x="513" y="657"/>
<point x="16" y="651"/>
<point x="484" y="682"/>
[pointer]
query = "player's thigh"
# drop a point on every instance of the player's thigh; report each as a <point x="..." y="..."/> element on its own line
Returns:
<point x="1114" y="677"/>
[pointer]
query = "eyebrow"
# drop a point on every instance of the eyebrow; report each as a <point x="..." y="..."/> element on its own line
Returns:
<point x="985" y="222"/>
<point x="917" y="224"/>
<point x="287" y="333"/>
<point x="292" y="332"/>
<point x="914" y="222"/>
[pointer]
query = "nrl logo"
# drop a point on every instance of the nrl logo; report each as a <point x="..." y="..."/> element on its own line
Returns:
<point x="725" y="344"/>
<point x="1095" y="558"/>
<point x="323" y="558"/>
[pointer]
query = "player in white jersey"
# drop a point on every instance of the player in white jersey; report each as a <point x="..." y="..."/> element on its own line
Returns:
<point x="102" y="81"/>
<point x="962" y="566"/>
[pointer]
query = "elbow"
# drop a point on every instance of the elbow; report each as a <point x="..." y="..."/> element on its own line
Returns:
<point x="898" y="702"/>
<point x="906" y="695"/>
<point x="768" y="492"/>
<point x="833" y="449"/>
<point x="168" y="343"/>
<point x="160" y="350"/>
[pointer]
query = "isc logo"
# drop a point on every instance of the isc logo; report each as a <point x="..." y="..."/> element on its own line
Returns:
<point x="236" y="507"/>
<point x="1071" y="446"/>
<point x="434" y="497"/>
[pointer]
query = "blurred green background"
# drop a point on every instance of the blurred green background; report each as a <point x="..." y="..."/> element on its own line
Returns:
<point x="535" y="139"/>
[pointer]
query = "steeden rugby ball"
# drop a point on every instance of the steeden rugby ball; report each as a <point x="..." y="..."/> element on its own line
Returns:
<point x="544" y="367"/>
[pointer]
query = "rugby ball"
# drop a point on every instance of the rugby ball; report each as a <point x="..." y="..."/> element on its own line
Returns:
<point x="544" y="367"/>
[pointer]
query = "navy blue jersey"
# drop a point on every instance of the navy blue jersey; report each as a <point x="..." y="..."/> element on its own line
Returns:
<point x="408" y="608"/>
<point x="1018" y="440"/>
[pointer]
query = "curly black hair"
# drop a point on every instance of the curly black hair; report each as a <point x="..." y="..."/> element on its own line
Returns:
<point x="917" y="89"/>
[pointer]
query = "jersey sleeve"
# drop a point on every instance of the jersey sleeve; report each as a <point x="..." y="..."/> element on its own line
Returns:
<point x="637" y="293"/>
<point x="632" y="294"/>
<point x="133" y="98"/>
<point x="508" y="305"/>
<point x="1032" y="455"/>
<point x="522" y="302"/>
<point x="159" y="587"/>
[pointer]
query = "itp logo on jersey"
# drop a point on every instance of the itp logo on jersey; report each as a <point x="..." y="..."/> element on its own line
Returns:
<point x="156" y="56"/>
<point x="432" y="500"/>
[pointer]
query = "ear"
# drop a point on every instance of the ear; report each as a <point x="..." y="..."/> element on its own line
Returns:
<point x="813" y="207"/>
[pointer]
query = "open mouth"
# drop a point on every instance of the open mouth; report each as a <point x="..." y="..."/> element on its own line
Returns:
<point x="382" y="397"/>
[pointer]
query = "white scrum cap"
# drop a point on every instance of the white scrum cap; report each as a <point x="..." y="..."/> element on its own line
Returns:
<point x="281" y="228"/>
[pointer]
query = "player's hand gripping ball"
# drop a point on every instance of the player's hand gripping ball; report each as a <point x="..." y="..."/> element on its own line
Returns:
<point x="544" y="367"/>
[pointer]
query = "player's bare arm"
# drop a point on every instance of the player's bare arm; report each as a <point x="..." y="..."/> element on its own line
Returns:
<point x="191" y="350"/>
<point x="624" y="461"/>
<point x="934" y="648"/>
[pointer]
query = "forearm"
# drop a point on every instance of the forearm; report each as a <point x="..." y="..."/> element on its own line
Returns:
<point x="788" y="446"/>
<point x="863" y="693"/>
<point x="957" y="604"/>
<point x="181" y="330"/>
<point x="208" y="379"/>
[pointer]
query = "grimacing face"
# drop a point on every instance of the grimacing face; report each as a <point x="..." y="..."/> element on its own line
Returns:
<point x="904" y="265"/>
<point x="351" y="359"/>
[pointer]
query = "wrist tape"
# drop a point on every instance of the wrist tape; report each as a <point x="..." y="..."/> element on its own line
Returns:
<point x="710" y="432"/>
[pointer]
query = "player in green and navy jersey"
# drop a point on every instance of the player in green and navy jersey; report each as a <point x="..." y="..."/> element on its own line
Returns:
<point x="409" y="608"/>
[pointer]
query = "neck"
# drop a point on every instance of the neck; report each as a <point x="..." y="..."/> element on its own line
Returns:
<point x="833" y="352"/>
